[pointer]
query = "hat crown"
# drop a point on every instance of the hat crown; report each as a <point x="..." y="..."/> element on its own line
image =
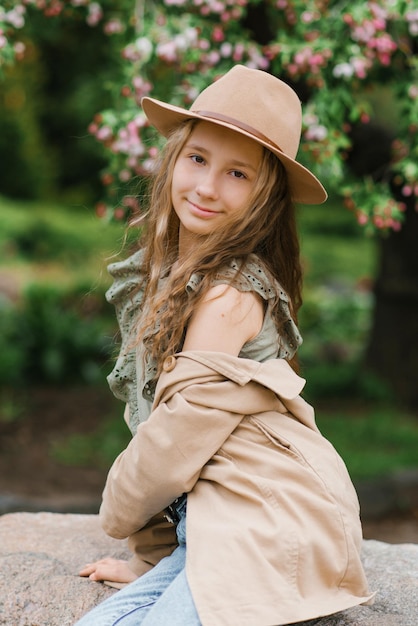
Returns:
<point x="257" y="105"/>
<point x="256" y="100"/>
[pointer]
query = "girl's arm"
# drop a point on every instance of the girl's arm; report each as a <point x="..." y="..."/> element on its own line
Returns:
<point x="225" y="321"/>
<point x="166" y="456"/>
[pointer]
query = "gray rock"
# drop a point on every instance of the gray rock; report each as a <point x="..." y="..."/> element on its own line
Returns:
<point x="41" y="553"/>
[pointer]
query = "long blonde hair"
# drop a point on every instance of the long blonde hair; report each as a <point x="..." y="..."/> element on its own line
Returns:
<point x="268" y="229"/>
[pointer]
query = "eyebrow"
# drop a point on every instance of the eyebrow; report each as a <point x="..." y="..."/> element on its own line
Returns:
<point x="234" y="163"/>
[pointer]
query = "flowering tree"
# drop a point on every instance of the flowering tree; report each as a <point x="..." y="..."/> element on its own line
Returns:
<point x="336" y="54"/>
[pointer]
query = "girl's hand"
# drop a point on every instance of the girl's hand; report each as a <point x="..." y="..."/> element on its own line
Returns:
<point x="112" y="570"/>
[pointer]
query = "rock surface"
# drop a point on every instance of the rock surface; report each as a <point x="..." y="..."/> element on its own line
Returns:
<point x="41" y="553"/>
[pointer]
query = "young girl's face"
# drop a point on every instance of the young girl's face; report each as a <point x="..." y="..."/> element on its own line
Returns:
<point x="213" y="178"/>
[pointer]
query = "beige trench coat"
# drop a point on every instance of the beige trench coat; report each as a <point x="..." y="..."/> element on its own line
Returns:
<point x="273" y="529"/>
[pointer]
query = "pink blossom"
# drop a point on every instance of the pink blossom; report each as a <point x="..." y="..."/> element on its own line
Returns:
<point x="218" y="34"/>
<point x="93" y="128"/>
<point x="95" y="14"/>
<point x="360" y="66"/>
<point x="213" y="57"/>
<point x="167" y="51"/>
<point x="316" y="59"/>
<point x="19" y="48"/>
<point x="204" y="44"/>
<point x="236" y="13"/>
<point x="101" y="209"/>
<point x="125" y="175"/>
<point x="238" y="52"/>
<point x="378" y="11"/>
<point x="113" y="26"/>
<point x="307" y="17"/>
<point x="316" y="133"/>
<point x="379" y="24"/>
<point x="16" y="17"/>
<point x="104" y="133"/>
<point x="226" y="50"/>
<point x="119" y="213"/>
<point x="378" y="221"/>
<point x="362" y="218"/>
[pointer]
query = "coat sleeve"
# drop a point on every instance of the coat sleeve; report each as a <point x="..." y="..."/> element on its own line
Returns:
<point x="151" y="544"/>
<point x="165" y="457"/>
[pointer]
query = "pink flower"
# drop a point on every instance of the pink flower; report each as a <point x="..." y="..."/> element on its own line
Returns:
<point x="104" y="133"/>
<point x="307" y="17"/>
<point x="124" y="175"/>
<point x="238" y="52"/>
<point x="95" y="14"/>
<point x="362" y="218"/>
<point x="218" y="34"/>
<point x="113" y="27"/>
<point x="407" y="190"/>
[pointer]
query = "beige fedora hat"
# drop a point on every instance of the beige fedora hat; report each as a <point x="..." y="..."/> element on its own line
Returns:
<point x="256" y="104"/>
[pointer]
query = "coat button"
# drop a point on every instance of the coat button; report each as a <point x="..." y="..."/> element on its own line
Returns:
<point x="169" y="363"/>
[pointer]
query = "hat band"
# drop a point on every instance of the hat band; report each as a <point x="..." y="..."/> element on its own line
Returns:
<point x="241" y="125"/>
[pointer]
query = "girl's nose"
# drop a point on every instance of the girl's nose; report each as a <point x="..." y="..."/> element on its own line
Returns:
<point x="206" y="186"/>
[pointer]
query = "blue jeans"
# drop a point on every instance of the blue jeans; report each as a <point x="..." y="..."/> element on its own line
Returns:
<point x="161" y="596"/>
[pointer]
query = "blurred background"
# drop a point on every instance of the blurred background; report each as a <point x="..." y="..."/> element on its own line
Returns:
<point x="73" y="151"/>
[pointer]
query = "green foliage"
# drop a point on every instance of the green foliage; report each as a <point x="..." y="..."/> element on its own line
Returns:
<point x="12" y="357"/>
<point x="99" y="448"/>
<point x="61" y="341"/>
<point x="60" y="328"/>
<point x="55" y="335"/>
<point x="47" y="101"/>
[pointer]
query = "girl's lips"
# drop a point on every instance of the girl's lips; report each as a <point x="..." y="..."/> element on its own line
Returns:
<point x="201" y="211"/>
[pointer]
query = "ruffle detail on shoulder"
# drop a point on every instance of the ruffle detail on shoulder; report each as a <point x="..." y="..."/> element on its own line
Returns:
<point x="127" y="275"/>
<point x="126" y="296"/>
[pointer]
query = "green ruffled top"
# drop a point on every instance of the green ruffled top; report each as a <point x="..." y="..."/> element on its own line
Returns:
<point x="133" y="383"/>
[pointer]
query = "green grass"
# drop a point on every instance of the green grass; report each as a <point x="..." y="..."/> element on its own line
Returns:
<point x="95" y="449"/>
<point x="42" y="242"/>
<point x="373" y="441"/>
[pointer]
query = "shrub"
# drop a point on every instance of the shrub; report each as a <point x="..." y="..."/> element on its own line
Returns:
<point x="56" y="336"/>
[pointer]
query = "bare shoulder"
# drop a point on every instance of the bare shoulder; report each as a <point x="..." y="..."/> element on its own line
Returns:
<point x="225" y="320"/>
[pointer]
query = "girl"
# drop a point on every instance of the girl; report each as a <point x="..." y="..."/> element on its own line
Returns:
<point x="224" y="451"/>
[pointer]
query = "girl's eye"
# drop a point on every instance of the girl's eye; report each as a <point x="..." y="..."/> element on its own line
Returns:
<point x="238" y="174"/>
<point x="196" y="158"/>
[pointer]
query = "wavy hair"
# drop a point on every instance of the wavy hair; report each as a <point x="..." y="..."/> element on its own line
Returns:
<point x="267" y="228"/>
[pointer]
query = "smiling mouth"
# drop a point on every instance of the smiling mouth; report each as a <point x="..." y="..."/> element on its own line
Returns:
<point x="202" y="210"/>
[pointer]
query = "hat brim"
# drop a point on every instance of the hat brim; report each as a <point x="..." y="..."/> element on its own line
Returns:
<point x="304" y="186"/>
